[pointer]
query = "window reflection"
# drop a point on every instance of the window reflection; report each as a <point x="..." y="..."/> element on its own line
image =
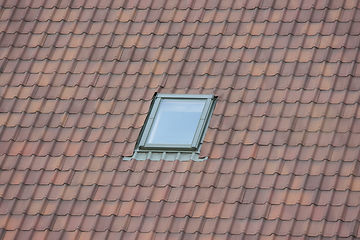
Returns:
<point x="176" y="121"/>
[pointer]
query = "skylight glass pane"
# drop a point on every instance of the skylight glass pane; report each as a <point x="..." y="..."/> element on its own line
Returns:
<point x="176" y="121"/>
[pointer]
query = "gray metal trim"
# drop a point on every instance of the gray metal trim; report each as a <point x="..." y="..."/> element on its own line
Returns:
<point x="167" y="156"/>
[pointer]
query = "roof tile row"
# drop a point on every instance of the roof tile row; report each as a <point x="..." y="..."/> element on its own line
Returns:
<point x="177" y="40"/>
<point x="167" y="195"/>
<point x="341" y="161"/>
<point x="239" y="211"/>
<point x="234" y="195"/>
<point x="193" y="4"/>
<point x="143" y="182"/>
<point x="202" y="83"/>
<point x="174" y="225"/>
<point x="19" y="16"/>
<point x="312" y="69"/>
<point x="179" y="54"/>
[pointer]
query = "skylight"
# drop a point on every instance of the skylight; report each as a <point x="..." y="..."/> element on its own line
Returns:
<point x="176" y="122"/>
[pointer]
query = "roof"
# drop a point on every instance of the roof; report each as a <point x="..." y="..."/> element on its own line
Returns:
<point x="77" y="78"/>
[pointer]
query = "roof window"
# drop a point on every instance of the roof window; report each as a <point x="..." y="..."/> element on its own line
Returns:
<point x="176" y="123"/>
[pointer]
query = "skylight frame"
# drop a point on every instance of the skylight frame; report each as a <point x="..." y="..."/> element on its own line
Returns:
<point x="200" y="129"/>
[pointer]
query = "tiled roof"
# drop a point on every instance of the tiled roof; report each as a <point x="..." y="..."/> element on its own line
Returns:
<point x="77" y="78"/>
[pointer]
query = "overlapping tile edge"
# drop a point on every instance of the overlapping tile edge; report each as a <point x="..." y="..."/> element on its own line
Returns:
<point x="283" y="143"/>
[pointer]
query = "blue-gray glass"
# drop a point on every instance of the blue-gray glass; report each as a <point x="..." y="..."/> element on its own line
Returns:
<point x="176" y="121"/>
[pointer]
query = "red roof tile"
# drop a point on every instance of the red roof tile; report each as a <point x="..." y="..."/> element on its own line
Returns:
<point x="282" y="144"/>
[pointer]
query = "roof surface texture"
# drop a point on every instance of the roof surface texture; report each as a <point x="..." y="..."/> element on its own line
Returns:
<point x="77" y="78"/>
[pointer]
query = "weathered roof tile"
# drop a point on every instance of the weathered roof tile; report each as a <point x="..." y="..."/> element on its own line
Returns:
<point x="282" y="143"/>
